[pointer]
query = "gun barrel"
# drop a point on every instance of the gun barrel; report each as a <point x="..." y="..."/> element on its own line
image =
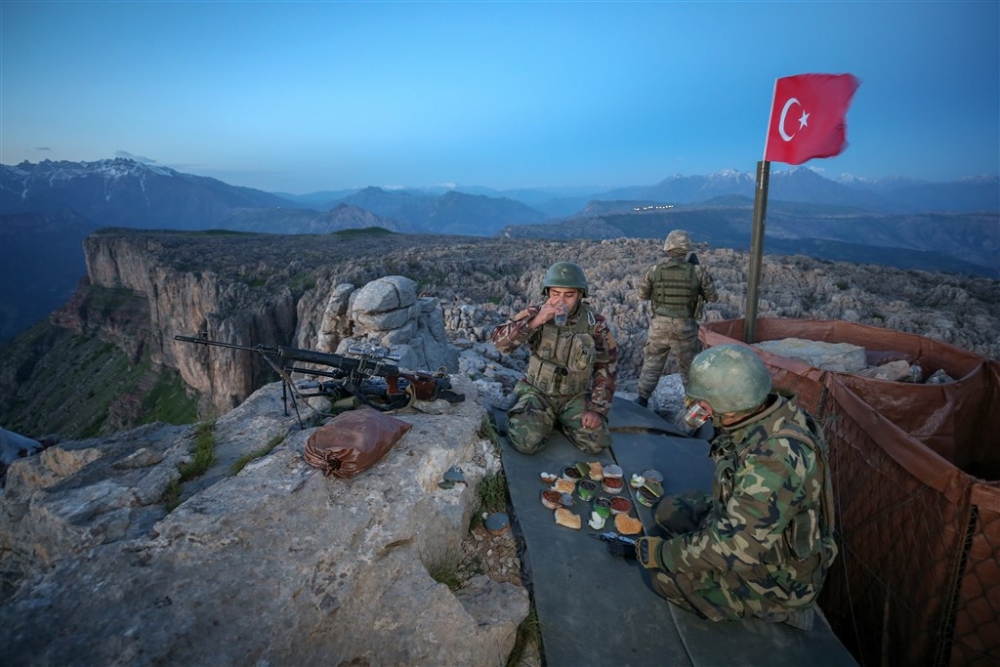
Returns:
<point x="203" y="340"/>
<point x="346" y="364"/>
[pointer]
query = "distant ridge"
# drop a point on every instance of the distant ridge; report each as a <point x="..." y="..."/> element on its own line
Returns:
<point x="48" y="209"/>
<point x="126" y="193"/>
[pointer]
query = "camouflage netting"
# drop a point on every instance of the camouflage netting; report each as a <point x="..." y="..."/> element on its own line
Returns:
<point x="915" y="472"/>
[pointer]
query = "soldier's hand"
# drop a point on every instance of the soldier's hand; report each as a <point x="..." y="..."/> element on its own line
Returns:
<point x="647" y="551"/>
<point x="621" y="548"/>
<point x="590" y="420"/>
<point x="546" y="313"/>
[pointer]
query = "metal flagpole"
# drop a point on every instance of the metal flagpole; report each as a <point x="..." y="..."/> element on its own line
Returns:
<point x="756" y="251"/>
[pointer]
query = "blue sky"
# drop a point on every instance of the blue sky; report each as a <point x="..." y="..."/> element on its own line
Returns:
<point x="306" y="96"/>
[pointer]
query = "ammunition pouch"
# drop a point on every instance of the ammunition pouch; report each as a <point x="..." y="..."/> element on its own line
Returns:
<point x="802" y="535"/>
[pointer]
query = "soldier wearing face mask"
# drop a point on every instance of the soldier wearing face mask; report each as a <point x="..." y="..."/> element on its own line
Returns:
<point x="761" y="543"/>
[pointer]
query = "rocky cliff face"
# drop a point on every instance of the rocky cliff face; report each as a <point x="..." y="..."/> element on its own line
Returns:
<point x="246" y="289"/>
<point x="185" y="302"/>
<point x="260" y="289"/>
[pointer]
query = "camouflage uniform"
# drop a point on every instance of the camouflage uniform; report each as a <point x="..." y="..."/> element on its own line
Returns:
<point x="585" y="349"/>
<point x="674" y="288"/>
<point x="762" y="542"/>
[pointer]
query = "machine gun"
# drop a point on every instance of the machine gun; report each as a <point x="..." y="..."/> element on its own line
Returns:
<point x="367" y="375"/>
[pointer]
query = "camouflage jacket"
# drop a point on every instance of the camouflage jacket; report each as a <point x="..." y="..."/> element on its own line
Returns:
<point x="772" y="508"/>
<point x="517" y="331"/>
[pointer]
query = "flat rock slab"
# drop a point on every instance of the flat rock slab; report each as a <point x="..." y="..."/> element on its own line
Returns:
<point x="595" y="608"/>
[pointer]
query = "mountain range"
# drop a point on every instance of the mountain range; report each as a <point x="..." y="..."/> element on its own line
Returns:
<point x="48" y="209"/>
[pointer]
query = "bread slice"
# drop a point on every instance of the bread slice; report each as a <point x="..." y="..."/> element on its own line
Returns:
<point x="566" y="518"/>
<point x="596" y="471"/>
<point x="564" y="486"/>
<point x="626" y="525"/>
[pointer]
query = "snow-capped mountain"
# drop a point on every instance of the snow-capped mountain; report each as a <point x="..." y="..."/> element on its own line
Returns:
<point x="124" y="192"/>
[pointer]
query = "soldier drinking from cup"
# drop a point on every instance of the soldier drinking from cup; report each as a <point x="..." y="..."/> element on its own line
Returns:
<point x="571" y="375"/>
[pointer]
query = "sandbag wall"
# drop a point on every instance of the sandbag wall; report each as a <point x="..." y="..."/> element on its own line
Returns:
<point x="914" y="469"/>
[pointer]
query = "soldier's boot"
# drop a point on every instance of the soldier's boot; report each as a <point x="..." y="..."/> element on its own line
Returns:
<point x="642" y="402"/>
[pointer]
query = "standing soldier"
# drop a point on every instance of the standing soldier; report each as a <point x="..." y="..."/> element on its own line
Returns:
<point x="760" y="545"/>
<point x="571" y="374"/>
<point x="676" y="289"/>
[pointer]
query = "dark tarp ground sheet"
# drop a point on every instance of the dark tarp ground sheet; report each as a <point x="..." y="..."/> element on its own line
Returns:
<point x="597" y="609"/>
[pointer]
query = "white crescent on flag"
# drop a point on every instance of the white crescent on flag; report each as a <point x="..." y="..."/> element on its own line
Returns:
<point x="784" y="112"/>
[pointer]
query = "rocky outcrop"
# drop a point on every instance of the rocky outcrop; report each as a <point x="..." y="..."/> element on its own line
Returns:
<point x="387" y="313"/>
<point x="286" y="290"/>
<point x="841" y="357"/>
<point x="274" y="565"/>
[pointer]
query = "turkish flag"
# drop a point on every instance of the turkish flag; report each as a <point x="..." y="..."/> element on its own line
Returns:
<point x="808" y="117"/>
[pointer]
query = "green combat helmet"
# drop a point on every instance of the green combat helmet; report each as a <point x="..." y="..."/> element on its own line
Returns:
<point x="677" y="240"/>
<point x="565" y="274"/>
<point x="730" y="378"/>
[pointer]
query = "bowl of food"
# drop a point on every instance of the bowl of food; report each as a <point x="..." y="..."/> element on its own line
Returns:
<point x="648" y="493"/>
<point x="621" y="505"/>
<point x="586" y="489"/>
<point x="552" y="499"/>
<point x="644" y="497"/>
<point x="653" y="476"/>
<point x="602" y="506"/>
<point x="612" y="485"/>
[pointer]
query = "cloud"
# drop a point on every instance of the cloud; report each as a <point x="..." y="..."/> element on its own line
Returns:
<point x="43" y="148"/>
<point x="137" y="158"/>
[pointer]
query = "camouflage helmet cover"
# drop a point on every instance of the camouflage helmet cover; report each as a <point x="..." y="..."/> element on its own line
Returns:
<point x="565" y="274"/>
<point x="730" y="378"/>
<point x="677" y="240"/>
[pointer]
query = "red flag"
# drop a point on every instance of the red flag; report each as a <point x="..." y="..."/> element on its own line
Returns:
<point x="808" y="117"/>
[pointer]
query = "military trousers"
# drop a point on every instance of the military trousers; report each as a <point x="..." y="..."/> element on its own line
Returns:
<point x="535" y="415"/>
<point x="718" y="595"/>
<point x="679" y="334"/>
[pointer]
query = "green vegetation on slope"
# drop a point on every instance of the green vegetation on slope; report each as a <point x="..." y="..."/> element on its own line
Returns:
<point x="79" y="386"/>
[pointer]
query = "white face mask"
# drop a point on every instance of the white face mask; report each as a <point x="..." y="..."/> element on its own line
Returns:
<point x="696" y="415"/>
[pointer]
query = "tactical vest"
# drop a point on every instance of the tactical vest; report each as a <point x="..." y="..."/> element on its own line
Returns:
<point x="675" y="289"/>
<point x="562" y="362"/>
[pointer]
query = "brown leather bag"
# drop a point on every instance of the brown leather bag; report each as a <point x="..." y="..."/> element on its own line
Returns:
<point x="353" y="441"/>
